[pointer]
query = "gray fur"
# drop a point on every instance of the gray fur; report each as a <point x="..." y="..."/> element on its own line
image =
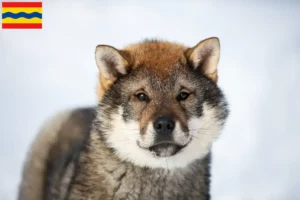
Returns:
<point x="78" y="155"/>
<point x="35" y="167"/>
<point x="45" y="165"/>
<point x="103" y="176"/>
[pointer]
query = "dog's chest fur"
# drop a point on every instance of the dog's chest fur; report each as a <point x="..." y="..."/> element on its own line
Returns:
<point x="101" y="175"/>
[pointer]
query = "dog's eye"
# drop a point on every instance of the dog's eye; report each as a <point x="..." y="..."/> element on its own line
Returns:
<point x="182" y="96"/>
<point x="142" y="97"/>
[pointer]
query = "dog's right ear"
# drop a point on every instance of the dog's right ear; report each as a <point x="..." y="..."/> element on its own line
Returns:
<point x="111" y="64"/>
<point x="205" y="57"/>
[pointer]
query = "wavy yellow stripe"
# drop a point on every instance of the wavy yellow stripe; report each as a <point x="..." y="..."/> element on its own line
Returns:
<point x="17" y="10"/>
<point x="21" y="20"/>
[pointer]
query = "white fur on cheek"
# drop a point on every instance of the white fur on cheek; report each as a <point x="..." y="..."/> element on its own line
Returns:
<point x="204" y="131"/>
<point x="148" y="138"/>
<point x="180" y="137"/>
<point x="125" y="135"/>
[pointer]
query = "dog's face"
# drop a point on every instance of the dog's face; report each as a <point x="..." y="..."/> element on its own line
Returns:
<point x="160" y="105"/>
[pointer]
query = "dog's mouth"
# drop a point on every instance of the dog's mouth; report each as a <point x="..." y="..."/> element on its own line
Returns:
<point x="165" y="149"/>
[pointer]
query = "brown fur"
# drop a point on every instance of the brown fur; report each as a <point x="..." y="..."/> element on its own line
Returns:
<point x="152" y="112"/>
<point x="151" y="54"/>
<point x="162" y="58"/>
<point x="104" y="85"/>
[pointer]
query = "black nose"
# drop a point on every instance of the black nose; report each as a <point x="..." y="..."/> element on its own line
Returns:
<point x="164" y="125"/>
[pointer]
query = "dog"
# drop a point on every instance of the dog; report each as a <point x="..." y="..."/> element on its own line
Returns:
<point x="150" y="136"/>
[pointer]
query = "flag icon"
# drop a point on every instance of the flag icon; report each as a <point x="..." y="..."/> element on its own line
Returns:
<point x="21" y="15"/>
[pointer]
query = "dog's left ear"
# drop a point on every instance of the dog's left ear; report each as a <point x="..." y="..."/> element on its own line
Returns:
<point x="112" y="64"/>
<point x="205" y="57"/>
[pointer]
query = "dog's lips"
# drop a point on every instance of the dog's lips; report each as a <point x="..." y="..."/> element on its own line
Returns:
<point x="165" y="149"/>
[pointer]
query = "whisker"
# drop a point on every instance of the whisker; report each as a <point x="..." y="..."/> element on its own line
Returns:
<point x="129" y="129"/>
<point x="123" y="143"/>
<point x="200" y="131"/>
<point x="195" y="137"/>
<point x="196" y="129"/>
<point x="173" y="161"/>
<point x="167" y="164"/>
<point x="199" y="134"/>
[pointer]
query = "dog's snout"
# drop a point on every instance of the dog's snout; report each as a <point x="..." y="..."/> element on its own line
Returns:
<point x="164" y="125"/>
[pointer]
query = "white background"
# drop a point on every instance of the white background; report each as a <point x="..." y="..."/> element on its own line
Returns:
<point x="256" y="157"/>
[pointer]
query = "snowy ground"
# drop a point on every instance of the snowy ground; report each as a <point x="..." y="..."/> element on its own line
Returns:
<point x="257" y="156"/>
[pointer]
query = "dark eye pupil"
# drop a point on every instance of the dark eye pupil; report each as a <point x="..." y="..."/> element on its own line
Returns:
<point x="142" y="97"/>
<point x="183" y="96"/>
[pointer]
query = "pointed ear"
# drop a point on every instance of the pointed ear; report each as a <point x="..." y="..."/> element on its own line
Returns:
<point x="111" y="64"/>
<point x="205" y="57"/>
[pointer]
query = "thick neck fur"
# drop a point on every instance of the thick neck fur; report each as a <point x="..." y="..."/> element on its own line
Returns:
<point x="102" y="175"/>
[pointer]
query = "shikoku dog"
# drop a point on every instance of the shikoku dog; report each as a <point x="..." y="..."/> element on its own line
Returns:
<point x="150" y="136"/>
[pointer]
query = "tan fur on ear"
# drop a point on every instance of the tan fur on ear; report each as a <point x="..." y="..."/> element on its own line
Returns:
<point x="103" y="85"/>
<point x="205" y="57"/>
<point x="111" y="65"/>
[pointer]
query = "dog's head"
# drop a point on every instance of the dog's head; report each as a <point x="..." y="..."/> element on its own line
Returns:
<point x="159" y="102"/>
